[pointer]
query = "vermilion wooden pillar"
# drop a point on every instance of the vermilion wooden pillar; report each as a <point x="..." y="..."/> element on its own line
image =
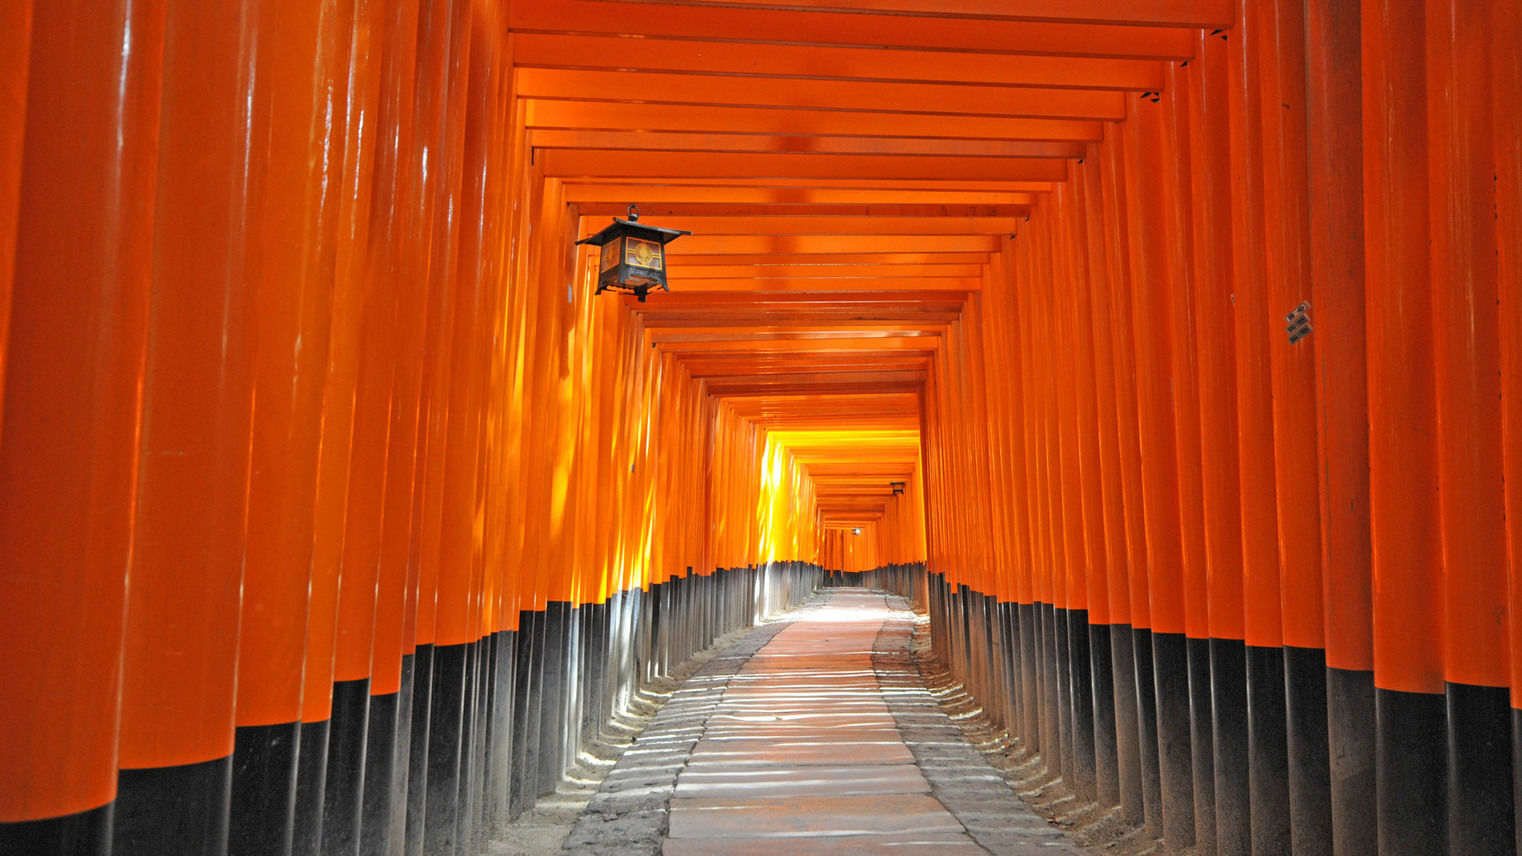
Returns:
<point x="1256" y="322"/>
<point x="1466" y="350"/>
<point x="1152" y="281"/>
<point x="82" y="203"/>
<point x="1282" y="38"/>
<point x="180" y="668"/>
<point x="1335" y="148"/>
<point x="1132" y="586"/>
<point x="1405" y="521"/>
<point x="1215" y="337"/>
<point x="290" y="226"/>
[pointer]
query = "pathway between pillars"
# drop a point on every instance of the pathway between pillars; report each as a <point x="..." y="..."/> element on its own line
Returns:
<point x="812" y="735"/>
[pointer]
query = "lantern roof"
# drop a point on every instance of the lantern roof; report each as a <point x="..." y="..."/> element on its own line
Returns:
<point x="621" y="227"/>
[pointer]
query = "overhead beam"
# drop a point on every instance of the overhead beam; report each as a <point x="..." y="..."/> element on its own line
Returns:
<point x="703" y="272"/>
<point x="694" y="260"/>
<point x="1159" y="13"/>
<point x="575" y="163"/>
<point x="612" y="116"/>
<point x="577" y="192"/>
<point x="765" y="225"/>
<point x="792" y="60"/>
<point x="670" y="141"/>
<point x="761" y="245"/>
<point x="933" y="99"/>
<point x="824" y="284"/>
<point x="691" y="21"/>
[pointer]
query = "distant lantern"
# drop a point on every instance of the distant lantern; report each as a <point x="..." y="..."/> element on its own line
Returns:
<point x="856" y="531"/>
<point x="633" y="256"/>
<point x="898" y="488"/>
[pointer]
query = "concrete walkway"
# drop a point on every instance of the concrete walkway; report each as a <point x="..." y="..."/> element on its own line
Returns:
<point x="813" y="735"/>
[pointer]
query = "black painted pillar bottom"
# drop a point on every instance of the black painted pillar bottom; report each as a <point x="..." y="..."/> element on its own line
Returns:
<point x="1030" y="676"/>
<point x="343" y="794"/>
<point x="445" y="732"/>
<point x="1480" y="804"/>
<point x="1202" y="746"/>
<point x="1268" y="754"/>
<point x="1170" y="665"/>
<point x="380" y="773"/>
<point x="311" y="784"/>
<point x="1084" y="763"/>
<point x="417" y="750"/>
<point x="264" y="789"/>
<point x="1228" y="698"/>
<point x="85" y="833"/>
<point x="1146" y="730"/>
<point x="1127" y="725"/>
<point x="1107" y="773"/>
<point x="1350" y="750"/>
<point x="173" y="811"/>
<point x="1411" y="758"/>
<point x="1310" y="787"/>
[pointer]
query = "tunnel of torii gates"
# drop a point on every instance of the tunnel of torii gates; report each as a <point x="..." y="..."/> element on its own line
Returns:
<point x="337" y="512"/>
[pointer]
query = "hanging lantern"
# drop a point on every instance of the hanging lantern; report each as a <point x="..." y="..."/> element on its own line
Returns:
<point x="898" y="487"/>
<point x="856" y="531"/>
<point x="633" y="257"/>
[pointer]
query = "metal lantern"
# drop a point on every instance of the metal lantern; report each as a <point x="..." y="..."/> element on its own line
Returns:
<point x="898" y="487"/>
<point x="633" y="257"/>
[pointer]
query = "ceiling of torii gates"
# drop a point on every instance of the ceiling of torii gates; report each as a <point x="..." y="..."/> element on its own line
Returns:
<point x="847" y="168"/>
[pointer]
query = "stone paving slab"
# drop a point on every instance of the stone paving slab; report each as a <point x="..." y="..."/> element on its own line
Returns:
<point x="815" y="735"/>
<point x="723" y="781"/>
<point x="899" y="844"/>
<point x="797" y="816"/>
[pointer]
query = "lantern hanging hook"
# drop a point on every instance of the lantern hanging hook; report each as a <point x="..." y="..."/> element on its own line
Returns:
<point x="633" y="213"/>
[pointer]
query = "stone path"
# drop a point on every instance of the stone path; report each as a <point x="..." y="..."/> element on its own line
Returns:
<point x="811" y="736"/>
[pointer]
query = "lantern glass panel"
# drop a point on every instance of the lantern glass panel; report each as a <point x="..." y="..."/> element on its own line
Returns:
<point x="641" y="253"/>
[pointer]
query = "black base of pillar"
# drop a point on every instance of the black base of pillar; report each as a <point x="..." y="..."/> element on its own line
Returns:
<point x="1107" y="761"/>
<point x="173" y="811"/>
<point x="86" y="833"/>
<point x="1063" y="678"/>
<point x="1133" y="802"/>
<point x="1146" y="732"/>
<point x="380" y="775"/>
<point x="1051" y="717"/>
<point x="1411" y="772"/>
<point x="417" y="750"/>
<point x="1170" y="665"/>
<point x="402" y="757"/>
<point x="263" y="819"/>
<point x="504" y="661"/>
<point x="344" y="794"/>
<point x="525" y="716"/>
<point x="1310" y="785"/>
<point x="552" y="689"/>
<point x="1268" y="753"/>
<point x="1030" y="675"/>
<point x="1350" y="750"/>
<point x="1228" y="698"/>
<point x="1481" y="810"/>
<point x="1083" y="704"/>
<point x="446" y="720"/>
<point x="1202" y="746"/>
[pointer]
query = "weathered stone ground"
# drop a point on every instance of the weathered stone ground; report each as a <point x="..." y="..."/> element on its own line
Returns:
<point x="815" y="734"/>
